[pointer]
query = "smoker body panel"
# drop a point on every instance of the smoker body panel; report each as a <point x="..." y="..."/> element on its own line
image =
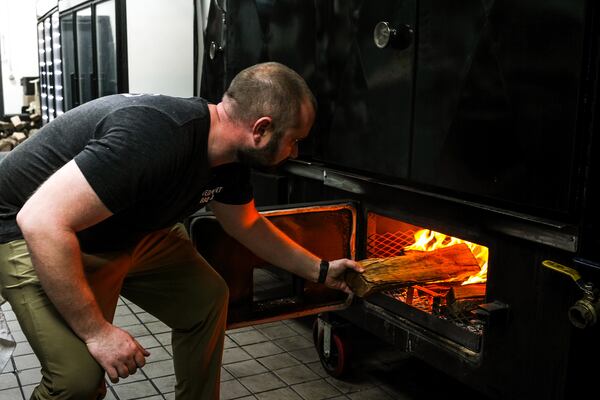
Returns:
<point x="370" y="89"/>
<point x="497" y="99"/>
<point x="484" y="102"/>
<point x="367" y="92"/>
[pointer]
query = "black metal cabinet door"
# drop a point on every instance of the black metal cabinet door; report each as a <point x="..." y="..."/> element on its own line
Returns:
<point x="85" y="56"/>
<point x="242" y="33"/>
<point x="364" y="92"/>
<point x="496" y="103"/>
<point x="91" y="38"/>
<point x="213" y="78"/>
<point x="366" y="96"/>
<point x="67" y="36"/>
<point x="106" y="48"/>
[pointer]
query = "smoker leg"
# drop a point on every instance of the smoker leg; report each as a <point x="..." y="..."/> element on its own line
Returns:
<point x="331" y="346"/>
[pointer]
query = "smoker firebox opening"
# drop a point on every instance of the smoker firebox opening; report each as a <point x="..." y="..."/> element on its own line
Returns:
<point x="449" y="307"/>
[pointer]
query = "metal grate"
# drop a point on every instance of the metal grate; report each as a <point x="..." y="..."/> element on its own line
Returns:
<point x="380" y="245"/>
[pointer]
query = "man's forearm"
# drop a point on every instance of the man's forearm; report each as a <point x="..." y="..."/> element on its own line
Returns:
<point x="56" y="257"/>
<point x="272" y="245"/>
<point x="259" y="235"/>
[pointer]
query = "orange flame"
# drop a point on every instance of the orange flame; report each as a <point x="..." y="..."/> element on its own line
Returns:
<point x="428" y="240"/>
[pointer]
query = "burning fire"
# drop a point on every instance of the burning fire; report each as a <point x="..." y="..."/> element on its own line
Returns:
<point x="428" y="240"/>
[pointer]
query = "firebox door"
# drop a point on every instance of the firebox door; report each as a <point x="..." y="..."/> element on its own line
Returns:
<point x="259" y="292"/>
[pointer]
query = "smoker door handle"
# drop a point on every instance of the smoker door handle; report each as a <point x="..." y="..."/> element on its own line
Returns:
<point x="574" y="274"/>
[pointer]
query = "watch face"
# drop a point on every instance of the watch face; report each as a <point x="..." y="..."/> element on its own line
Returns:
<point x="381" y="34"/>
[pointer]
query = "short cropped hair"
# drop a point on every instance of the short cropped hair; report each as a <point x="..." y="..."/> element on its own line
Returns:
<point x="269" y="89"/>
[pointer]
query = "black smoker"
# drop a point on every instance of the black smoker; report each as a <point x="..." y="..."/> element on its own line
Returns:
<point x="476" y="119"/>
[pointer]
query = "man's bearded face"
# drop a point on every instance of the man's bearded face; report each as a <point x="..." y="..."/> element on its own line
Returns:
<point x="261" y="158"/>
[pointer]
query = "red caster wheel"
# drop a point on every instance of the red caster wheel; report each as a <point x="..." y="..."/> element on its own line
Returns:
<point x="335" y="358"/>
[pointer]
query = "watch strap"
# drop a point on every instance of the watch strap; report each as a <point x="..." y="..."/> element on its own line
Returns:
<point x="323" y="268"/>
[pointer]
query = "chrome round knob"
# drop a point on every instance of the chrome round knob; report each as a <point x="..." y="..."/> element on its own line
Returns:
<point x="386" y="36"/>
<point x="381" y="34"/>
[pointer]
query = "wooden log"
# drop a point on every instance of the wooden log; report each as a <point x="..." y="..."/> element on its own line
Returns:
<point x="6" y="126"/>
<point x="463" y="292"/>
<point x="17" y="123"/>
<point x="19" y="136"/>
<point x="463" y="299"/>
<point x="7" y="144"/>
<point x="448" y="264"/>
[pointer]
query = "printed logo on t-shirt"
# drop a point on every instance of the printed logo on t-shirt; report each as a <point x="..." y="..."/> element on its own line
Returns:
<point x="209" y="194"/>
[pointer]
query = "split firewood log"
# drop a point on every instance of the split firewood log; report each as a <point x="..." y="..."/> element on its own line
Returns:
<point x="464" y="292"/>
<point x="19" y="136"/>
<point x="17" y="123"/>
<point x="462" y="299"/>
<point x="8" y="144"/>
<point x="6" y="127"/>
<point x="448" y="264"/>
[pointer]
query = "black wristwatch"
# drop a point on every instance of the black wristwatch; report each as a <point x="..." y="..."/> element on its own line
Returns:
<point x="324" y="267"/>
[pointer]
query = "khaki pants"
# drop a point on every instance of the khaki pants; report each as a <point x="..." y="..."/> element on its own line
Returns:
<point x="164" y="275"/>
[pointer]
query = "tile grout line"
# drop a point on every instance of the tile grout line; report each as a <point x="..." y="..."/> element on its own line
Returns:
<point x="161" y="345"/>
<point x="286" y="385"/>
<point x="16" y="372"/>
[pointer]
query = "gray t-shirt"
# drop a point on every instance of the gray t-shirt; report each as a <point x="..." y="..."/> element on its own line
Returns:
<point x="145" y="156"/>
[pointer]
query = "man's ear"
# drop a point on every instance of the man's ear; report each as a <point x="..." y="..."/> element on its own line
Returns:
<point x="261" y="128"/>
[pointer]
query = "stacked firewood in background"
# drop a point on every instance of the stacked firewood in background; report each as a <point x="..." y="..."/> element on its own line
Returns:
<point x="17" y="131"/>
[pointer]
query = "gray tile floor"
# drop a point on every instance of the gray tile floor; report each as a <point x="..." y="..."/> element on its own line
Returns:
<point x="267" y="362"/>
